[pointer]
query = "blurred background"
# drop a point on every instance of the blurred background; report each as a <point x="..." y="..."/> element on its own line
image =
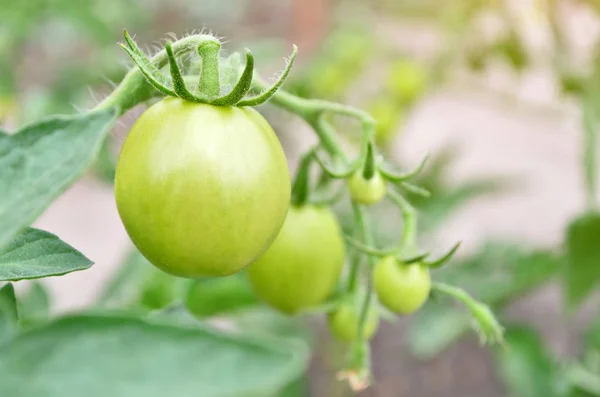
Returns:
<point x="493" y="90"/>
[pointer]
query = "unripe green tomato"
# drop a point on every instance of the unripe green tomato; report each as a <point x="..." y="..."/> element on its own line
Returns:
<point x="407" y="80"/>
<point x="213" y="296"/>
<point x="388" y="115"/>
<point x="202" y="190"/>
<point x="400" y="287"/>
<point x="158" y="290"/>
<point x="343" y="322"/>
<point x="367" y="191"/>
<point x="302" y="266"/>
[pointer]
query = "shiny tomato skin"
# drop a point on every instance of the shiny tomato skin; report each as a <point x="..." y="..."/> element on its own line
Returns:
<point x="202" y="190"/>
<point x="401" y="288"/>
<point x="302" y="266"/>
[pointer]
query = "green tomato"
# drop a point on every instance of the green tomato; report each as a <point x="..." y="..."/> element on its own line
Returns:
<point x="214" y="296"/>
<point x="407" y="80"/>
<point x="388" y="115"/>
<point x="202" y="190"/>
<point x="400" y="287"/>
<point x="343" y="322"/>
<point x="158" y="290"/>
<point x="302" y="266"/>
<point x="367" y="191"/>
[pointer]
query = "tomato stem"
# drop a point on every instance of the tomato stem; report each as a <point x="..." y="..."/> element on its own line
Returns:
<point x="300" y="190"/>
<point x="353" y="275"/>
<point x="363" y="226"/>
<point x="590" y="148"/>
<point x="409" y="216"/>
<point x="209" y="76"/>
<point x="486" y="324"/>
<point x="140" y="84"/>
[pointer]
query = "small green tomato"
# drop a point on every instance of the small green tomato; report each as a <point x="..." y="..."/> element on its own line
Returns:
<point x="158" y="290"/>
<point x="343" y="322"/>
<point x="367" y="191"/>
<point x="302" y="266"/>
<point x="400" y="287"/>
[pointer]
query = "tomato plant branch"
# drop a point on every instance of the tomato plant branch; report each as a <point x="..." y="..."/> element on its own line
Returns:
<point x="300" y="188"/>
<point x="485" y="323"/>
<point x="353" y="274"/>
<point x="409" y="216"/>
<point x="364" y="229"/>
<point x="589" y="155"/>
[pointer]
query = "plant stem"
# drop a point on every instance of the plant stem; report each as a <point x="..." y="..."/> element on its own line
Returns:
<point x="134" y="88"/>
<point x="363" y="226"/>
<point x="209" y="76"/>
<point x="300" y="189"/>
<point x="589" y="154"/>
<point x="409" y="217"/>
<point x="353" y="275"/>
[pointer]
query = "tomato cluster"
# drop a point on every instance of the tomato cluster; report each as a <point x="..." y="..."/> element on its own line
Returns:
<point x="203" y="189"/>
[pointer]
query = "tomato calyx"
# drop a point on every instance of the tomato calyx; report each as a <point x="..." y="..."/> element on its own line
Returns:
<point x="208" y="89"/>
<point x="403" y="254"/>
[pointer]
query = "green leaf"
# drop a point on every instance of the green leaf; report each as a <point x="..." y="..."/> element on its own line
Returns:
<point x="103" y="355"/>
<point x="34" y="307"/>
<point x="43" y="159"/>
<point x="583" y="258"/>
<point x="36" y="253"/>
<point x="298" y="388"/>
<point x="214" y="296"/>
<point x="105" y="165"/>
<point x="8" y="311"/>
<point x="496" y="275"/>
<point x="525" y="365"/>
<point x="262" y="321"/>
<point x="582" y="382"/>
